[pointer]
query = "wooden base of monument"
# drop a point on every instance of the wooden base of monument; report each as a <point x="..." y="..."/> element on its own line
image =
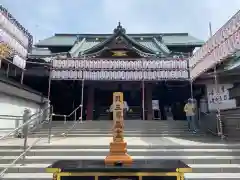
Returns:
<point x="118" y="153"/>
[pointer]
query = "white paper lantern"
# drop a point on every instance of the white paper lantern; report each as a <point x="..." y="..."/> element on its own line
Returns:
<point x="13" y="30"/>
<point x="12" y="43"/>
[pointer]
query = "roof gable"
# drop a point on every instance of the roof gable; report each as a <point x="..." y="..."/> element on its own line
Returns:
<point x="118" y="40"/>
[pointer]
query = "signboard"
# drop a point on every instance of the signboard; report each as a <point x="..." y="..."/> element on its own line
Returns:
<point x="155" y="104"/>
<point x="117" y="106"/>
<point x="19" y="62"/>
<point x="224" y="101"/>
<point x="225" y="42"/>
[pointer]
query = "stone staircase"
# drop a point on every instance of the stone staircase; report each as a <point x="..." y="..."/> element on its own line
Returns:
<point x="133" y="128"/>
<point x="209" y="157"/>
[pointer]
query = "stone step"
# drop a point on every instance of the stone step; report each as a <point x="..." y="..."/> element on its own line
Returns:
<point x="109" y="131"/>
<point x="197" y="168"/>
<point x="125" y="135"/>
<point x="186" y="147"/>
<point x="127" y="130"/>
<point x="188" y="176"/>
<point x="135" y="152"/>
<point x="187" y="159"/>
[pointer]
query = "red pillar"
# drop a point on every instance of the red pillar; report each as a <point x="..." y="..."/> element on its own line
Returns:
<point x="90" y="103"/>
<point x="149" y="101"/>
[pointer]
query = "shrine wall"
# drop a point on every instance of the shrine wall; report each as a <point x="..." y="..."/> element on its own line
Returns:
<point x="231" y="122"/>
<point x="15" y="106"/>
<point x="14" y="100"/>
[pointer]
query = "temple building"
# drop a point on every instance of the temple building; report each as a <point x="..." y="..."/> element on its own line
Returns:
<point x="151" y="69"/>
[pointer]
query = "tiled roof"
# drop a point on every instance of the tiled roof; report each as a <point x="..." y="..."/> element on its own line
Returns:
<point x="168" y="38"/>
<point x="89" y="44"/>
<point x="40" y="52"/>
<point x="84" y="42"/>
<point x="181" y="39"/>
<point x="57" y="40"/>
<point x="147" y="42"/>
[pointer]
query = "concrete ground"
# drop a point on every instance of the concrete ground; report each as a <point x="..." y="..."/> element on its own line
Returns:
<point x="103" y="141"/>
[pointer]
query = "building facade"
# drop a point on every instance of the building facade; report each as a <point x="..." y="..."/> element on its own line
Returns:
<point x="151" y="69"/>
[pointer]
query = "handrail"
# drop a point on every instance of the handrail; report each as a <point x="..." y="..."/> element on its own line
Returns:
<point x="7" y="115"/>
<point x="75" y="110"/>
<point x="62" y="115"/>
<point x="24" y="124"/>
<point x="23" y="154"/>
<point x="66" y="116"/>
<point x="20" y="156"/>
<point x="208" y="129"/>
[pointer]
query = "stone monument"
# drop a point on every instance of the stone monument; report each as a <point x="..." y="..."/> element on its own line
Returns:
<point x="118" y="148"/>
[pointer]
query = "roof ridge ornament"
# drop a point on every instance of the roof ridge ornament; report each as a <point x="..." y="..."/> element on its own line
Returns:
<point x="119" y="29"/>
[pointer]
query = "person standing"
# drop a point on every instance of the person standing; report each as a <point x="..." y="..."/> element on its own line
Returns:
<point x="189" y="109"/>
<point x="125" y="109"/>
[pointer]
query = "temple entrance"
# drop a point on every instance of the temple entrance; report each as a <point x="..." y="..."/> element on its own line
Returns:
<point x="172" y="97"/>
<point x="103" y="99"/>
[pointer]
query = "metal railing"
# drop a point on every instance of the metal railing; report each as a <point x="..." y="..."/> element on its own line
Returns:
<point x="69" y="115"/>
<point x="27" y="148"/>
<point x="28" y="120"/>
<point x="206" y="124"/>
<point x="22" y="155"/>
<point x="16" y="119"/>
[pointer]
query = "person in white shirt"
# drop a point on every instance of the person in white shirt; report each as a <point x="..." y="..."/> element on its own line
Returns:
<point x="125" y="108"/>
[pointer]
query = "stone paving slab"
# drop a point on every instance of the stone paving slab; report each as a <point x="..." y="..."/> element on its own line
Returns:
<point x="187" y="176"/>
<point x="98" y="141"/>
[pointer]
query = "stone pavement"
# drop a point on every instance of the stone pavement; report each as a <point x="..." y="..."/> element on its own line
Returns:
<point x="104" y="141"/>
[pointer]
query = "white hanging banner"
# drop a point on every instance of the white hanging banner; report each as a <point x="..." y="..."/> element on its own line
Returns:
<point x="13" y="30"/>
<point x="224" y="43"/>
<point x="12" y="43"/>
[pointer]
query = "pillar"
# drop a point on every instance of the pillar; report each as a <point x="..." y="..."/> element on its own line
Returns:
<point x="149" y="101"/>
<point x="90" y="102"/>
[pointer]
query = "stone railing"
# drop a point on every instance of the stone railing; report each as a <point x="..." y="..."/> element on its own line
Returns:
<point x="230" y="120"/>
<point x="208" y="122"/>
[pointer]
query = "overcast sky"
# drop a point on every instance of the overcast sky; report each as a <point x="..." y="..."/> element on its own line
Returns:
<point x="43" y="18"/>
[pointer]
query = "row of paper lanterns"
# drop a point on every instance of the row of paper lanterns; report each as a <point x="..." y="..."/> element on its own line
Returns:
<point x="13" y="30"/>
<point x="120" y="64"/>
<point x="12" y="43"/>
<point x="231" y="27"/>
<point x="119" y="75"/>
<point x="230" y="46"/>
